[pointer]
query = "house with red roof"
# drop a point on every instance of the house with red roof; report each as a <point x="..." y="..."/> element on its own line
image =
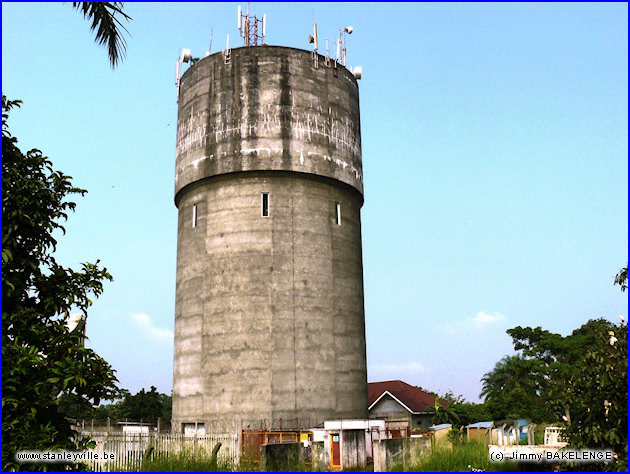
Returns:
<point x="398" y="402"/>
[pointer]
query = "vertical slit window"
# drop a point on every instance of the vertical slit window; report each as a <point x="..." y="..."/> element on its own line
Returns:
<point x="337" y="213"/>
<point x="194" y="215"/>
<point x="265" y="204"/>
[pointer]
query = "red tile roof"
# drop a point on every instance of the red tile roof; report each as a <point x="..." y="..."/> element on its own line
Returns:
<point x="412" y="397"/>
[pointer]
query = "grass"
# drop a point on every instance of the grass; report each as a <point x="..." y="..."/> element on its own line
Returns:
<point x="464" y="457"/>
<point x="461" y="458"/>
<point x="200" y="461"/>
<point x="186" y="461"/>
<point x="442" y="459"/>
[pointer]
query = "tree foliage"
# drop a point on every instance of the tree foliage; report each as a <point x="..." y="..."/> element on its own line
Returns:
<point x="146" y="406"/>
<point x="462" y="413"/>
<point x="453" y="399"/>
<point x="595" y="401"/>
<point x="522" y="386"/>
<point x="512" y="389"/>
<point x="107" y="26"/>
<point x="581" y="378"/>
<point x="41" y="359"/>
<point x="456" y="410"/>
<point x="621" y="278"/>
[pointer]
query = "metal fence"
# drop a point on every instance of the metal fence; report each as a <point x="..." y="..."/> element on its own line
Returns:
<point x="125" y="451"/>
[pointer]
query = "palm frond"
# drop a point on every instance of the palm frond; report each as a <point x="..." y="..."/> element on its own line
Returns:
<point x="107" y="25"/>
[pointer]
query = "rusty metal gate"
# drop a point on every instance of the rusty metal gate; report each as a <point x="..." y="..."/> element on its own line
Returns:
<point x="252" y="440"/>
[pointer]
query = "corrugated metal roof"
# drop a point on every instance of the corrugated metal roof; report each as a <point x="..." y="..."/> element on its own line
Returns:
<point x="443" y="426"/>
<point x="482" y="424"/>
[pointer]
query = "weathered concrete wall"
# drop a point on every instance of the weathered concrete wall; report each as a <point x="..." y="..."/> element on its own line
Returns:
<point x="281" y="456"/>
<point x="353" y="450"/>
<point x="269" y="319"/>
<point x="320" y="458"/>
<point x="398" y="453"/>
<point x="422" y="421"/>
<point x="269" y="109"/>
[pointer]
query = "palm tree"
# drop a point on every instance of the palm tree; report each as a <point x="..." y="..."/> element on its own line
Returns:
<point x="514" y="388"/>
<point x="107" y="26"/>
<point x="510" y="373"/>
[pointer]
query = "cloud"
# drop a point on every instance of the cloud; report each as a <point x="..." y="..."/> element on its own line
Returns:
<point x="146" y="326"/>
<point x="479" y="321"/>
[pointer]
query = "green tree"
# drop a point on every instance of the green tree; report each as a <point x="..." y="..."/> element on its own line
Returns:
<point x="145" y="406"/>
<point x="107" y="26"/>
<point x="468" y="413"/>
<point x="167" y="406"/>
<point x="512" y="389"/>
<point x="453" y="399"/>
<point x="595" y="400"/>
<point x="581" y="378"/>
<point x="622" y="278"/>
<point x="551" y="348"/>
<point x="41" y="359"/>
<point x="554" y="357"/>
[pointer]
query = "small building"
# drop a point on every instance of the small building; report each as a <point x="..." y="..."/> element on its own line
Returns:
<point x="439" y="434"/>
<point x="343" y="444"/>
<point x="132" y="427"/>
<point x="401" y="405"/>
<point x="480" y="431"/>
<point x="503" y="432"/>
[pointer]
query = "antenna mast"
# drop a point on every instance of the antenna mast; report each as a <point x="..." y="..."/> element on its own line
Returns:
<point x="341" y="44"/>
<point x="252" y="28"/>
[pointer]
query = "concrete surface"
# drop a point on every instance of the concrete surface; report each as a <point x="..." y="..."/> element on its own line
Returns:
<point x="281" y="457"/>
<point x="269" y="318"/>
<point x="399" y="453"/>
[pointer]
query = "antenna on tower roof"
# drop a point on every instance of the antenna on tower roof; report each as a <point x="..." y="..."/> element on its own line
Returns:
<point x="313" y="38"/>
<point x="341" y="44"/>
<point x="183" y="58"/>
<point x="252" y="28"/>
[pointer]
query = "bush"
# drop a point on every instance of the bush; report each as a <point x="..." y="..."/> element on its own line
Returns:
<point x="456" y="437"/>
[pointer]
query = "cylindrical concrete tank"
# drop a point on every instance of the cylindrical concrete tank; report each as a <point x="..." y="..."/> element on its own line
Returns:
<point x="269" y="319"/>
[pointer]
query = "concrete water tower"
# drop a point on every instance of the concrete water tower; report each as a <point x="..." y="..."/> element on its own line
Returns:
<point x="269" y="318"/>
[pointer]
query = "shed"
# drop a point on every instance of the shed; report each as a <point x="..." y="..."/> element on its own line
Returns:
<point x="481" y="431"/>
<point x="439" y="433"/>
<point x="342" y="444"/>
